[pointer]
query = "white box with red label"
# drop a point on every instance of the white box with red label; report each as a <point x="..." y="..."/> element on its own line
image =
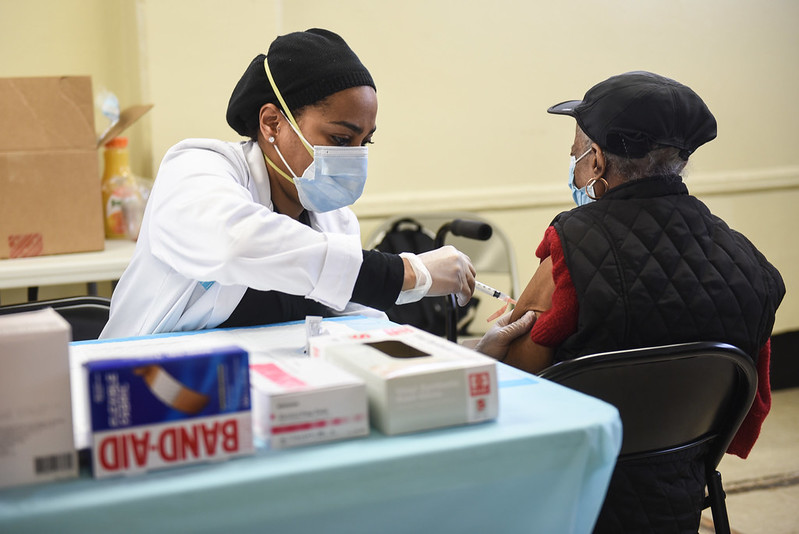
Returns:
<point x="299" y="401"/>
<point x="415" y="380"/>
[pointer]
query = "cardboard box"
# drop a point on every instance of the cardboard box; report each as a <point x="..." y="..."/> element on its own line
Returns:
<point x="35" y="409"/>
<point x="152" y="413"/>
<point x="415" y="380"/>
<point x="49" y="172"/>
<point x="299" y="401"/>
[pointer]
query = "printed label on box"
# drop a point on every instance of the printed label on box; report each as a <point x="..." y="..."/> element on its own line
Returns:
<point x="150" y="447"/>
<point x="299" y="401"/>
<point x="479" y="384"/>
<point x="149" y="413"/>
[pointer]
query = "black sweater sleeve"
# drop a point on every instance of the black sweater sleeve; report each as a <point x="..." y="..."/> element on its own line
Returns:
<point x="379" y="281"/>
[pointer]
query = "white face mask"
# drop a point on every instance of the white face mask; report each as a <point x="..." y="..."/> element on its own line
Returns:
<point x="334" y="179"/>
<point x="580" y="196"/>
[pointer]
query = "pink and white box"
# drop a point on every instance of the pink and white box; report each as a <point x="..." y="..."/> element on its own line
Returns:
<point x="299" y="401"/>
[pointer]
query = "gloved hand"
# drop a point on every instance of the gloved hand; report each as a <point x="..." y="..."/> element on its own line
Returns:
<point x="496" y="341"/>
<point x="440" y="272"/>
<point x="451" y="271"/>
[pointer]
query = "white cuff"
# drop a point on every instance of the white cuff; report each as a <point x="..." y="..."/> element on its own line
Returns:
<point x="337" y="277"/>
<point x="423" y="280"/>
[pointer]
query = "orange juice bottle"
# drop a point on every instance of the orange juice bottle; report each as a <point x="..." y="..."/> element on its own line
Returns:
<point x="123" y="205"/>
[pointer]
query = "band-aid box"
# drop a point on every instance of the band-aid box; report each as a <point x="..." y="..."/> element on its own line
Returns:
<point x="35" y="409"/>
<point x="415" y="380"/>
<point x="150" y="413"/>
<point x="300" y="400"/>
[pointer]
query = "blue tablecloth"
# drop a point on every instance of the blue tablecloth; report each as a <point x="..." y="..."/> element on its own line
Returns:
<point x="542" y="466"/>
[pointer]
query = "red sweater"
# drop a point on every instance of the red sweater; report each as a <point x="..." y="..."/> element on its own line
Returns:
<point x="559" y="322"/>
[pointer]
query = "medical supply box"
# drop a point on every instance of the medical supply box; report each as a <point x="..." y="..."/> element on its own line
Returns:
<point x="35" y="409"/>
<point x="414" y="379"/>
<point x="150" y="413"/>
<point x="300" y="400"/>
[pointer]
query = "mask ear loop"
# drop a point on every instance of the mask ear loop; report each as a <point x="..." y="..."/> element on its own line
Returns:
<point x="287" y="111"/>
<point x="278" y="169"/>
<point x="584" y="154"/>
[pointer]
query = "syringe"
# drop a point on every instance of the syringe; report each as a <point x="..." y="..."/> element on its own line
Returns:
<point x="497" y="294"/>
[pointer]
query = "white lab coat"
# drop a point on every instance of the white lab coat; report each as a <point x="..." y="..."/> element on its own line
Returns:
<point x="210" y="232"/>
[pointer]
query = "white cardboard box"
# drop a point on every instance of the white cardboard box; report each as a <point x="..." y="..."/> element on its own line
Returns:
<point x="299" y="401"/>
<point x="35" y="409"/>
<point x="415" y="380"/>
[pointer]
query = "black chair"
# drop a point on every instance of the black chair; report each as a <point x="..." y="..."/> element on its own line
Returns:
<point x="86" y="315"/>
<point x="672" y="400"/>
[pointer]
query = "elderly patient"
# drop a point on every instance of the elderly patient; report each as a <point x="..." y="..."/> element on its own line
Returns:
<point x="640" y="262"/>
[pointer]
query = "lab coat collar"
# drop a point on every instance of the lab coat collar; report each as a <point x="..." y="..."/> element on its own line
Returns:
<point x="260" y="177"/>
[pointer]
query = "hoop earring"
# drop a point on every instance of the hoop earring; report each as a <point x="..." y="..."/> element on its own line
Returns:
<point x="590" y="187"/>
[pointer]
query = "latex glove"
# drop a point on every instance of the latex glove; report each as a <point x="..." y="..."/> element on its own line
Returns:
<point x="440" y="272"/>
<point x="496" y="341"/>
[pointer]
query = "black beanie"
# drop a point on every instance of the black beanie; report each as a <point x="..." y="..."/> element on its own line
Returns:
<point x="306" y="67"/>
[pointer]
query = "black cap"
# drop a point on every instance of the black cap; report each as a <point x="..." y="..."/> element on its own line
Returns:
<point x="633" y="113"/>
<point x="306" y="66"/>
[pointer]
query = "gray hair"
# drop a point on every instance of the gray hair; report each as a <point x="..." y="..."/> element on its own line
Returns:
<point x="660" y="161"/>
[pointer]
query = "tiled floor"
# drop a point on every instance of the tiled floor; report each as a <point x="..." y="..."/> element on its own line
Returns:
<point x="756" y="502"/>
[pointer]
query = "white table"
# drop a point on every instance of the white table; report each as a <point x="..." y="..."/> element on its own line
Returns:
<point x="79" y="267"/>
<point x="542" y="466"/>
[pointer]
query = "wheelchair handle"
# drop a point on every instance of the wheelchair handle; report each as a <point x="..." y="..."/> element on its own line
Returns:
<point x="464" y="228"/>
<point x="471" y="229"/>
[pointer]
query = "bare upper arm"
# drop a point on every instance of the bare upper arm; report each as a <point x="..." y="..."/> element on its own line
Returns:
<point x="524" y="353"/>
<point x="537" y="296"/>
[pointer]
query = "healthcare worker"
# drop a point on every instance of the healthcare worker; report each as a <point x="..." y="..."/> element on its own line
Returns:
<point x="260" y="231"/>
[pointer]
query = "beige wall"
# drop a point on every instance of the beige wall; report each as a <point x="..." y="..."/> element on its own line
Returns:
<point x="463" y="89"/>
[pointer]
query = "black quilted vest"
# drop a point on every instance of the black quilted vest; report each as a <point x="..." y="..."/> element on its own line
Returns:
<point x="652" y="266"/>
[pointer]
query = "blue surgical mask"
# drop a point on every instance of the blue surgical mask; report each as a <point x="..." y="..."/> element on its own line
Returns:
<point x="334" y="179"/>
<point x="336" y="176"/>
<point x="580" y="196"/>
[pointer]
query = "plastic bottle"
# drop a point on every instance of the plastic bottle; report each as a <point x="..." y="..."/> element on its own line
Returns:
<point x="123" y="205"/>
